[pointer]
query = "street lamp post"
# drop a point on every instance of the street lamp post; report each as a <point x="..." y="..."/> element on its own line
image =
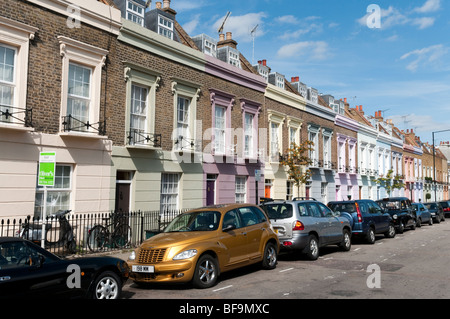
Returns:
<point x="434" y="163"/>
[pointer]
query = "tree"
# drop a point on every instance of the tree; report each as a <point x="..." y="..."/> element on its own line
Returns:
<point x="297" y="161"/>
<point x="391" y="182"/>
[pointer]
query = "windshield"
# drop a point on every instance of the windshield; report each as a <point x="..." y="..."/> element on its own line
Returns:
<point x="392" y="205"/>
<point x="431" y="206"/>
<point x="343" y="207"/>
<point x="196" y="221"/>
<point x="278" y="211"/>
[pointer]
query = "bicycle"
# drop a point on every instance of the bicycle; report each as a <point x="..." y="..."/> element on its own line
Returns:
<point x="100" y="237"/>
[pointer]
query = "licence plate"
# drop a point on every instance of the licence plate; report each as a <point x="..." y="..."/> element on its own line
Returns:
<point x="144" y="269"/>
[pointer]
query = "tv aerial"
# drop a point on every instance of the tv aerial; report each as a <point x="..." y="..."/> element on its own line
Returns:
<point x="253" y="37"/>
<point x="220" y="30"/>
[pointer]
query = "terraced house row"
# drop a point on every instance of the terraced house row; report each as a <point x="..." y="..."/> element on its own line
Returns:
<point x="143" y="116"/>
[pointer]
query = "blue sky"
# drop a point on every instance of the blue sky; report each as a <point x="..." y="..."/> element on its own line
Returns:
<point x="401" y="68"/>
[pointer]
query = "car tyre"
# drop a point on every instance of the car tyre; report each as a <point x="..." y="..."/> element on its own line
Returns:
<point x="370" y="237"/>
<point x="401" y="228"/>
<point x="206" y="272"/>
<point x="107" y="286"/>
<point x="430" y="222"/>
<point x="391" y="232"/>
<point x="346" y="243"/>
<point x="270" y="258"/>
<point x="419" y="223"/>
<point x="312" y="248"/>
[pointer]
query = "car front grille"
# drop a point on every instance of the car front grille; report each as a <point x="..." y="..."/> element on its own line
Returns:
<point x="151" y="256"/>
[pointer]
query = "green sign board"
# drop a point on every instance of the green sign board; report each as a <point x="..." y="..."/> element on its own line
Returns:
<point x="47" y="164"/>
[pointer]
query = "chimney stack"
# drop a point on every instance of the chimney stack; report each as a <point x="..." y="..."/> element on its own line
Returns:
<point x="228" y="41"/>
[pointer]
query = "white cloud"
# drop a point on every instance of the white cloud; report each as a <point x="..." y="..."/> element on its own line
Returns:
<point x="427" y="56"/>
<point x="190" y="26"/>
<point x="287" y="19"/>
<point x="429" y="6"/>
<point x="240" y="26"/>
<point x="310" y="50"/>
<point x="391" y="16"/>
<point x="423" y="23"/>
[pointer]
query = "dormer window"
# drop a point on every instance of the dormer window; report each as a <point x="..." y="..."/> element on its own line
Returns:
<point x="135" y="12"/>
<point x="165" y="27"/>
<point x="210" y="48"/>
<point x="233" y="59"/>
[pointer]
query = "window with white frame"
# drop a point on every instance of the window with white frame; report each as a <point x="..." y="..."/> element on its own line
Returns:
<point x="58" y="196"/>
<point x="248" y="135"/>
<point x="327" y="134"/>
<point x="141" y="86"/>
<point x="219" y="129"/>
<point x="313" y="136"/>
<point x="7" y="79"/>
<point x="183" y="119"/>
<point x="81" y="83"/>
<point x="165" y="27"/>
<point x="14" y="50"/>
<point x="78" y="93"/>
<point x="274" y="141"/>
<point x="138" y="109"/>
<point x="241" y="189"/>
<point x="169" y="192"/>
<point x="233" y="59"/>
<point x="135" y="12"/>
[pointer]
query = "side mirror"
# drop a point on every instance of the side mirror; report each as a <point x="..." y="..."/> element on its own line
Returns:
<point x="229" y="228"/>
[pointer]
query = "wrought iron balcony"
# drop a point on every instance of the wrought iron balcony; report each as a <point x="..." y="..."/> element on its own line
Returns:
<point x="137" y="137"/>
<point x="71" y="123"/>
<point x="182" y="143"/>
<point x="10" y="114"/>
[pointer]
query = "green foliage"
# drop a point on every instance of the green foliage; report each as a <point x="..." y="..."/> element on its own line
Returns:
<point x="391" y="182"/>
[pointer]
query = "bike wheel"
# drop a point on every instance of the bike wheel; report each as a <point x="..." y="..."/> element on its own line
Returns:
<point x="98" y="238"/>
<point x="122" y="236"/>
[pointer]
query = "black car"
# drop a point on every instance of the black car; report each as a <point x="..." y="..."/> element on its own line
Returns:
<point x="30" y="271"/>
<point x="436" y="210"/>
<point x="401" y="211"/>
<point x="446" y="207"/>
<point x="369" y="218"/>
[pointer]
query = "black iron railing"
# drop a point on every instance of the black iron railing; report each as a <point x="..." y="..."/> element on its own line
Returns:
<point x="9" y="114"/>
<point x="137" y="137"/>
<point x="71" y="123"/>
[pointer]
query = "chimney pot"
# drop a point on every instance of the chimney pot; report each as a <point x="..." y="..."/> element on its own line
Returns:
<point x="229" y="36"/>
<point x="264" y="62"/>
<point x="345" y="100"/>
<point x="221" y="37"/>
<point x="166" y="4"/>
<point x="158" y="5"/>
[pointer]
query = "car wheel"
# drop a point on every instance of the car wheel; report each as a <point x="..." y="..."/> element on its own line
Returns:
<point x="430" y="222"/>
<point x="391" y="232"/>
<point x="370" y="237"/>
<point x="206" y="272"/>
<point x="401" y="228"/>
<point x="346" y="243"/>
<point x="270" y="258"/>
<point x="438" y="220"/>
<point x="413" y="226"/>
<point x="107" y="286"/>
<point x="312" y="248"/>
<point x="419" y="223"/>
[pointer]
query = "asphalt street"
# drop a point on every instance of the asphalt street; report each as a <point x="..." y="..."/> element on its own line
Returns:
<point x="413" y="265"/>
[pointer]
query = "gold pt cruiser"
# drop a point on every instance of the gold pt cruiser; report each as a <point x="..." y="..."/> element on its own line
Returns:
<point x="197" y="246"/>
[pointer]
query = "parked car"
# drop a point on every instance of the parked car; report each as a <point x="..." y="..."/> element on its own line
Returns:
<point x="368" y="218"/>
<point x="423" y="214"/>
<point x="401" y="210"/>
<point x="307" y="225"/>
<point x="30" y="271"/>
<point x="436" y="210"/>
<point x="199" y="245"/>
<point x="446" y="207"/>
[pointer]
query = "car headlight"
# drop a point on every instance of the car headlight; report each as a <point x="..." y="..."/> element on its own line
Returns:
<point x="395" y="216"/>
<point x="132" y="255"/>
<point x="186" y="254"/>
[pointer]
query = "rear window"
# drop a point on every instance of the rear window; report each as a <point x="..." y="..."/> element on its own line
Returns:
<point x="431" y="206"/>
<point x="343" y="207"/>
<point x="444" y="204"/>
<point x="393" y="205"/>
<point x="278" y="211"/>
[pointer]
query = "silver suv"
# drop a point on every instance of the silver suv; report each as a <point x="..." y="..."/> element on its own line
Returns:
<point x="307" y="225"/>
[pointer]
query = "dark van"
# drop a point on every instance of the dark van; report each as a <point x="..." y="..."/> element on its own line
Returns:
<point x="401" y="211"/>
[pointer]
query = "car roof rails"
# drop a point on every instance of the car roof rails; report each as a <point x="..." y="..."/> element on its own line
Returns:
<point x="305" y="198"/>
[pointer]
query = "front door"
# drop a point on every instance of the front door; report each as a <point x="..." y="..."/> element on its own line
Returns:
<point x="210" y="192"/>
<point x="123" y="197"/>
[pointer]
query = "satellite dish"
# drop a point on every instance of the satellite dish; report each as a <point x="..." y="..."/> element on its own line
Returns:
<point x="220" y="30"/>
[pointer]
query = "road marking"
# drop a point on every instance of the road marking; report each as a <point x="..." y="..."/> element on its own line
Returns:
<point x="356" y="249"/>
<point x="223" y="288"/>
<point x="286" y="269"/>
